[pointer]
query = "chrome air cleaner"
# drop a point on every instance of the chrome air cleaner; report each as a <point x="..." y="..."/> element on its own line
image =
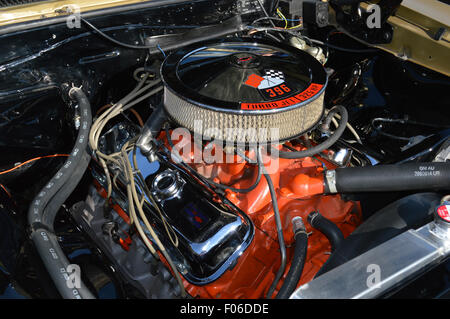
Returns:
<point x="237" y="91"/>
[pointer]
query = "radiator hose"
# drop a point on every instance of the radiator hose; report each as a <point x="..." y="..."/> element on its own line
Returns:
<point x="298" y="261"/>
<point x="385" y="178"/>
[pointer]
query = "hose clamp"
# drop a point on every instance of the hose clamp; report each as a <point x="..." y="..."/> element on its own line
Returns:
<point x="330" y="177"/>
<point x="298" y="226"/>
<point x="73" y="89"/>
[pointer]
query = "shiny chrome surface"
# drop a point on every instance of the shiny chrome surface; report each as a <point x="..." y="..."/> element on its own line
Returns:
<point x="381" y="269"/>
<point x="242" y="91"/>
<point x="167" y="184"/>
<point x="212" y="233"/>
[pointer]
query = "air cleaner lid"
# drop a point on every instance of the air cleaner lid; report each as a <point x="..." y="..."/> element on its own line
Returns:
<point x="244" y="77"/>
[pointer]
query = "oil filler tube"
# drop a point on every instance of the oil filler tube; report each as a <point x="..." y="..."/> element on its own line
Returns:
<point x="384" y="178"/>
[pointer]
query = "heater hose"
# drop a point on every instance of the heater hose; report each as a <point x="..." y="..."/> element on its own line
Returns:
<point x="298" y="261"/>
<point x="54" y="193"/>
<point x="328" y="228"/>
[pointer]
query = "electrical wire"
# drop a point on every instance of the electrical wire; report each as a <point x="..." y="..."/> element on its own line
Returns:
<point x="261" y="171"/>
<point x="134" y="203"/>
<point x="222" y="186"/>
<point x="169" y="230"/>
<point x="133" y="217"/>
<point x="138" y="117"/>
<point x="253" y="186"/>
<point x="332" y="46"/>
<point x="119" y="43"/>
<point x="141" y="92"/>
<point x="410" y="122"/>
<point x="299" y="25"/>
<point x="161" y="50"/>
<point x="280" y="236"/>
<point x="118" y="107"/>
<point x="296" y="26"/>
<point x="31" y="160"/>
<point x="134" y="97"/>
<point x="265" y="12"/>
<point x="349" y="127"/>
<point x="325" y="144"/>
<point x="134" y="199"/>
<point x="144" y="47"/>
<point x="275" y="4"/>
<point x="133" y="111"/>
<point x="395" y="137"/>
<point x="282" y="17"/>
<point x="295" y="34"/>
<point x="6" y="191"/>
<point x="274" y="19"/>
<point x="243" y="190"/>
<point x="268" y="16"/>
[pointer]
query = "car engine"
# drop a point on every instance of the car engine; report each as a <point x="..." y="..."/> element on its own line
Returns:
<point x="223" y="150"/>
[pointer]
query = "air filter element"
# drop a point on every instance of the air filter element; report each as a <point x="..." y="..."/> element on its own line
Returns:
<point x="240" y="91"/>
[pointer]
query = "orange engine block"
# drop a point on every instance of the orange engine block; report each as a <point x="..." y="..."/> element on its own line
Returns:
<point x="299" y="192"/>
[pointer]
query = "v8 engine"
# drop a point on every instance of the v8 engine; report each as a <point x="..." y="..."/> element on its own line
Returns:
<point x="225" y="150"/>
<point x="225" y="234"/>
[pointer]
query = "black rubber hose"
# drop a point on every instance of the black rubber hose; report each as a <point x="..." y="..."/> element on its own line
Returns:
<point x="61" y="196"/>
<point x="42" y="233"/>
<point x="151" y="129"/>
<point x="298" y="261"/>
<point x="156" y="120"/>
<point x="328" y="228"/>
<point x="79" y="151"/>
<point x="342" y="111"/>
<point x="251" y="187"/>
<point x="384" y="178"/>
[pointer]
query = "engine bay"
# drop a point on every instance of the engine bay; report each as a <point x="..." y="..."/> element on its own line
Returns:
<point x="219" y="150"/>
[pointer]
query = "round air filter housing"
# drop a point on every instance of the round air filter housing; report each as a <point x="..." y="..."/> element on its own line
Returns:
<point x="244" y="92"/>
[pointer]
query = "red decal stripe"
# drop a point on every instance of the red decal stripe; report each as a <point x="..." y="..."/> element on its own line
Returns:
<point x="253" y="80"/>
<point x="312" y="90"/>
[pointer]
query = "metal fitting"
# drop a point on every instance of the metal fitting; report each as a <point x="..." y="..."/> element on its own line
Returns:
<point x="298" y="225"/>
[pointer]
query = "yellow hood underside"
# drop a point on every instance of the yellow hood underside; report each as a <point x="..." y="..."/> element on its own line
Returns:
<point x="55" y="8"/>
